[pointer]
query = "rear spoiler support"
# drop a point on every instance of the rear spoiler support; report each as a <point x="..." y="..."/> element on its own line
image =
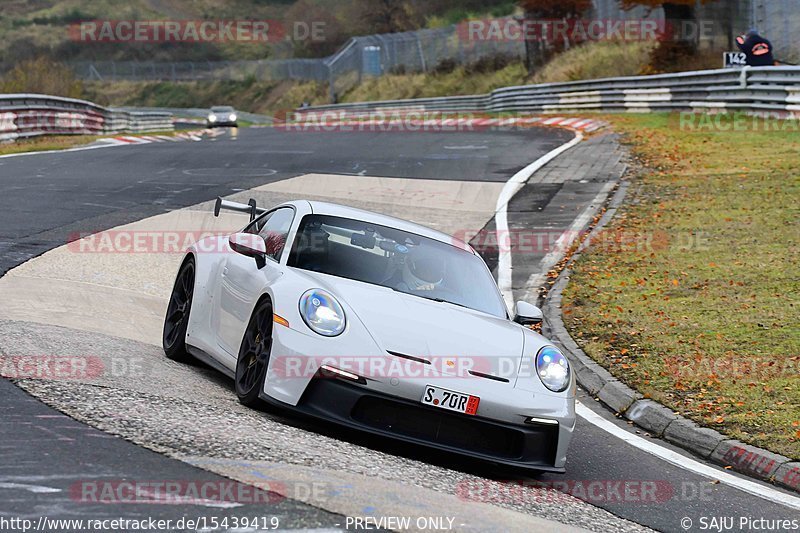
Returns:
<point x="250" y="208"/>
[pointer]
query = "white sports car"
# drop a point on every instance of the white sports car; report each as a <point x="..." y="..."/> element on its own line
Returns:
<point x="375" y="323"/>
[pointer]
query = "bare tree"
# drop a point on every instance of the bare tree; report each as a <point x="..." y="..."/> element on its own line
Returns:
<point x="537" y="48"/>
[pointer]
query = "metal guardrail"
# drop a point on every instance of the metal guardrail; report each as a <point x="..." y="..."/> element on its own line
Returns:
<point x="763" y="89"/>
<point x="31" y="115"/>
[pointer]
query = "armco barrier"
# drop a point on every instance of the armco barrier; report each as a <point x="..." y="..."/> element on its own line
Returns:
<point x="752" y="89"/>
<point x="30" y="115"/>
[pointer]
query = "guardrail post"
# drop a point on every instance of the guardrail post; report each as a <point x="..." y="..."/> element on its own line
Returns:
<point x="743" y="77"/>
<point x="331" y="88"/>
<point x="421" y="54"/>
<point x="93" y="73"/>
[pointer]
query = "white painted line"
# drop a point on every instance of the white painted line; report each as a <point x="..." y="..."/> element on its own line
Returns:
<point x="679" y="460"/>
<point x="467" y="147"/>
<point x="287" y="152"/>
<point x="79" y="149"/>
<point x="511" y="188"/>
<point x="567" y="238"/>
<point x="37" y="489"/>
<point x="108" y="142"/>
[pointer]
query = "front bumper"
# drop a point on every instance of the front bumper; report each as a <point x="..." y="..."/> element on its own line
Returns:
<point x="528" y="446"/>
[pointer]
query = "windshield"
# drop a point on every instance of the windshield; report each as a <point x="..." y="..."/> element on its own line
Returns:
<point x="222" y="109"/>
<point x="395" y="259"/>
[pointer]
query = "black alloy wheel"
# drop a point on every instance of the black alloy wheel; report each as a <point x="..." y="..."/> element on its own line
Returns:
<point x="177" y="320"/>
<point x="254" y="353"/>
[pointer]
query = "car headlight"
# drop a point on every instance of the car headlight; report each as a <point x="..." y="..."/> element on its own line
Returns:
<point x="553" y="369"/>
<point x="322" y="313"/>
<point x="232" y="117"/>
<point x="212" y="118"/>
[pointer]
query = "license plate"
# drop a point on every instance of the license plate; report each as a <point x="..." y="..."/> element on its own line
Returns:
<point x="451" y="400"/>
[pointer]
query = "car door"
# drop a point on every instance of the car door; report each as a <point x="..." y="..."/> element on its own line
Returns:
<point x="242" y="281"/>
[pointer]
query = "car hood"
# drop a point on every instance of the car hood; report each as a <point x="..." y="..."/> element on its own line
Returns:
<point x="417" y="327"/>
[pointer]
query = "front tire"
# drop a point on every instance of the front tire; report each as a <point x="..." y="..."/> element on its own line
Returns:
<point x="254" y="353"/>
<point x="176" y="321"/>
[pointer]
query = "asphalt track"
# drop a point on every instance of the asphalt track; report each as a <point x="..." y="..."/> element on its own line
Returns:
<point x="49" y="197"/>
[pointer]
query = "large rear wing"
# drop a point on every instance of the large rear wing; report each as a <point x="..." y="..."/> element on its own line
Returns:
<point x="250" y="207"/>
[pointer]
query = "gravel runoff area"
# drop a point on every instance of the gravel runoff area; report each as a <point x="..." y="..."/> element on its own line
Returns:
<point x="191" y="413"/>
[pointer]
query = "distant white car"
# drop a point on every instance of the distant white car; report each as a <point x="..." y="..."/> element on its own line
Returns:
<point x="375" y="323"/>
<point x="222" y="116"/>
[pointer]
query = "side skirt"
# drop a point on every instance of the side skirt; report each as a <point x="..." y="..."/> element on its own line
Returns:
<point x="210" y="361"/>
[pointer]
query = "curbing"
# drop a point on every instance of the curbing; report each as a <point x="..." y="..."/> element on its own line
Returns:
<point x="697" y="439"/>
<point x="657" y="419"/>
<point x="748" y="458"/>
<point x="651" y="415"/>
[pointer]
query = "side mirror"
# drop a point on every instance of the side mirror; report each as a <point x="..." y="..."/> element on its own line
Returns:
<point x="527" y="314"/>
<point x="250" y="245"/>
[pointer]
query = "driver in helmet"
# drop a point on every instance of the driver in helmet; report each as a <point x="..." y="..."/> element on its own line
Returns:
<point x="419" y="271"/>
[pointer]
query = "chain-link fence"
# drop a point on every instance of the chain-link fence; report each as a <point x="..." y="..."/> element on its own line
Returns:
<point x="279" y="69"/>
<point x="360" y="57"/>
<point x="432" y="49"/>
<point x="414" y="51"/>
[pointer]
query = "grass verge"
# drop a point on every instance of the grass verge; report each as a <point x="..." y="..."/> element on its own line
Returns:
<point x="46" y="143"/>
<point x="459" y="81"/>
<point x="248" y="95"/>
<point x="692" y="295"/>
<point x="62" y="142"/>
